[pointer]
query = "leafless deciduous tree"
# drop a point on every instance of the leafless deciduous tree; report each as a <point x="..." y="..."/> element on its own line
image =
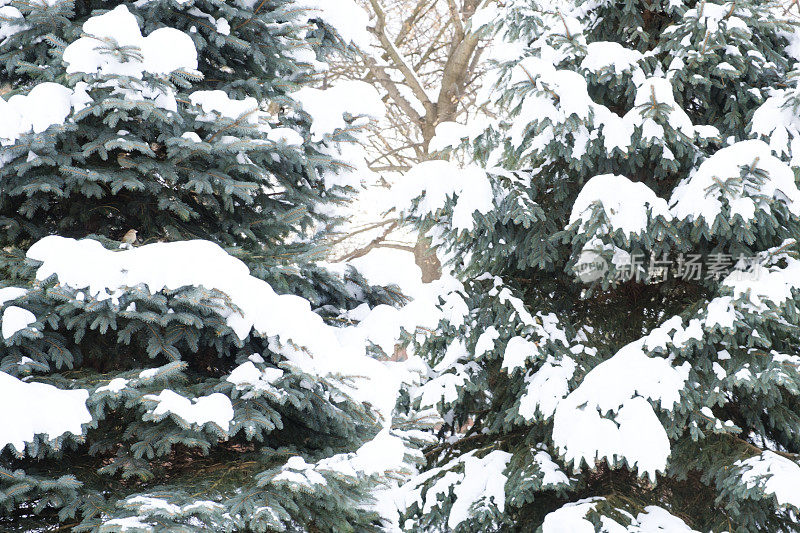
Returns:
<point x="426" y="59"/>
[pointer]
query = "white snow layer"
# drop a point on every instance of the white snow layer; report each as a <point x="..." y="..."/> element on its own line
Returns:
<point x="769" y="286"/>
<point x="482" y="479"/>
<point x="658" y="91"/>
<point x="151" y="510"/>
<point x="518" y="351"/>
<point x="346" y="16"/>
<point x="294" y="330"/>
<point x="45" y="105"/>
<point x="11" y="293"/>
<point x="628" y="206"/>
<point x="16" y="319"/>
<point x="774" y="475"/>
<point x="439" y="181"/>
<point x="601" y="55"/>
<point x="778" y="121"/>
<point x="572" y="518"/>
<point x="375" y="456"/>
<point x="248" y="374"/>
<point x="621" y="387"/>
<point x="216" y="408"/>
<point x="129" y="522"/>
<point x="546" y="387"/>
<point x="328" y="107"/>
<point x="451" y="134"/>
<point x="115" y="385"/>
<point x="163" y="51"/>
<point x="219" y="102"/>
<point x="28" y="409"/>
<point x="560" y="94"/>
<point x="288" y="319"/>
<point x="552" y="475"/>
<point x="215" y="104"/>
<point x="112" y="45"/>
<point x="9" y="28"/>
<point x="700" y="197"/>
<point x="144" y="505"/>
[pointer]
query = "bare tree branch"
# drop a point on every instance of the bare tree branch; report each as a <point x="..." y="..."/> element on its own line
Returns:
<point x="397" y="58"/>
<point x="391" y="88"/>
<point x="427" y="61"/>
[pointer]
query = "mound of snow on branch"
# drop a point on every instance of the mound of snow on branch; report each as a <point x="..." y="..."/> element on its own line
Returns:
<point x="328" y="107"/>
<point x="346" y="16"/>
<point x="47" y="104"/>
<point x="625" y="204"/>
<point x="28" y="409"/>
<point x="573" y="518"/>
<point x="701" y="195"/>
<point x="621" y="387"/>
<point x="114" y="45"/>
<point x="438" y="181"/>
<point x="774" y="475"/>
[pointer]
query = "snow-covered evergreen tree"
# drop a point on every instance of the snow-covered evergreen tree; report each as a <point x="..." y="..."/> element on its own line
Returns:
<point x="195" y="379"/>
<point x="624" y="356"/>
